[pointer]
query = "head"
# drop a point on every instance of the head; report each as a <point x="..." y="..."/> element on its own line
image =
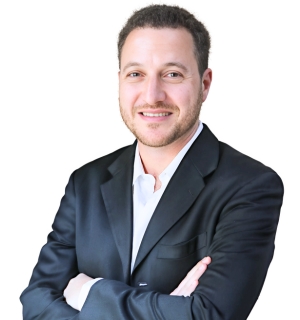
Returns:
<point x="174" y="17"/>
<point x="163" y="78"/>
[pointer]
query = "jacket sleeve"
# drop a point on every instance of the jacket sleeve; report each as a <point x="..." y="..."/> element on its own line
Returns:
<point x="57" y="264"/>
<point x="241" y="252"/>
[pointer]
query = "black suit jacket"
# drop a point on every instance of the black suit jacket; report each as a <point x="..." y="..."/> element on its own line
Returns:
<point x="219" y="203"/>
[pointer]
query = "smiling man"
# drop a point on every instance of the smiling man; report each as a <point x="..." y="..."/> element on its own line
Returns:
<point x="176" y="226"/>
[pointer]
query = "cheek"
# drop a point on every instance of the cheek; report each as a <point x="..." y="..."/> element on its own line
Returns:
<point x="189" y="95"/>
<point x="182" y="97"/>
<point x="128" y="95"/>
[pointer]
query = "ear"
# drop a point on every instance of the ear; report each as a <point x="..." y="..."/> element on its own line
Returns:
<point x="206" y="82"/>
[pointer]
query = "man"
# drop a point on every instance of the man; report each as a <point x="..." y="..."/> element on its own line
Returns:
<point x="133" y="224"/>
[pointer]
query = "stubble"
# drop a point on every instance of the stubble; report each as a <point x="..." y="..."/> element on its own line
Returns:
<point x="176" y="131"/>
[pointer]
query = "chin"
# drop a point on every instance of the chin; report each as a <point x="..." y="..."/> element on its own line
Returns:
<point x="156" y="141"/>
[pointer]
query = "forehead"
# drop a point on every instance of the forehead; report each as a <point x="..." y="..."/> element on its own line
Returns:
<point x="145" y="45"/>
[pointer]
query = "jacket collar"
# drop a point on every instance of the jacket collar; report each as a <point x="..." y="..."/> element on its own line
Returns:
<point x="200" y="160"/>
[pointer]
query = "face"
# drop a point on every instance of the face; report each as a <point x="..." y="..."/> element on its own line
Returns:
<point x="160" y="89"/>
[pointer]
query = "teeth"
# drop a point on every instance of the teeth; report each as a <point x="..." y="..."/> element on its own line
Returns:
<point x="147" y="114"/>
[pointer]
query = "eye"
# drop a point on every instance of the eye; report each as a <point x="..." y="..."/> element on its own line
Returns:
<point x="134" y="74"/>
<point x="173" y="75"/>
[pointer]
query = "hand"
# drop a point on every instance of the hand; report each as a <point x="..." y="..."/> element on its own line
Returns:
<point x="73" y="289"/>
<point x="188" y="285"/>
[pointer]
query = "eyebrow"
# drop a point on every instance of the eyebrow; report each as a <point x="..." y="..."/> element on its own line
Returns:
<point x="168" y="64"/>
<point x="176" y="64"/>
<point x="131" y="64"/>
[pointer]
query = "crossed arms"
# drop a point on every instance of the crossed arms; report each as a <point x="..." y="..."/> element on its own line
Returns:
<point x="241" y="250"/>
<point x="186" y="287"/>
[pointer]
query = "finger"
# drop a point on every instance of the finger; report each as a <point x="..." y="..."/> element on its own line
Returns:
<point x="206" y="260"/>
<point x="196" y="272"/>
<point x="191" y="274"/>
<point x="190" y="282"/>
<point x="187" y="289"/>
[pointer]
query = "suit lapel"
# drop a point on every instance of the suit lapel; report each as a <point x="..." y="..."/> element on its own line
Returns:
<point x="182" y="190"/>
<point x="117" y="195"/>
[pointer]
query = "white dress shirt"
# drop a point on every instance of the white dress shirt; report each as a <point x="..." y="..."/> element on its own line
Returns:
<point x="145" y="201"/>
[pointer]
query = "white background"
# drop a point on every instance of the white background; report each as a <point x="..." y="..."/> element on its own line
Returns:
<point x="59" y="110"/>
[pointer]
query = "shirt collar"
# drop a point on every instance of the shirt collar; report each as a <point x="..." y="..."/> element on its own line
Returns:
<point x="138" y="168"/>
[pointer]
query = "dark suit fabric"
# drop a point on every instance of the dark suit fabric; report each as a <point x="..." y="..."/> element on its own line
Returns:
<point x="219" y="203"/>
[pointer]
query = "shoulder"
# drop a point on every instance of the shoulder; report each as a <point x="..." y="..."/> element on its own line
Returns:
<point x="237" y="160"/>
<point x="104" y="161"/>
<point x="97" y="170"/>
<point x="242" y="169"/>
<point x="220" y="163"/>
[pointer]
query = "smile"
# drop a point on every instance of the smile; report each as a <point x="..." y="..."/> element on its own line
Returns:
<point x="163" y="114"/>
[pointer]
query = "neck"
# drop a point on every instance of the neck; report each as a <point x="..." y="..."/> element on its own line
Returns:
<point x="156" y="159"/>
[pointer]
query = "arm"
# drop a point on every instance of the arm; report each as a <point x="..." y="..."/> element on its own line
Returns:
<point x="43" y="299"/>
<point x="241" y="252"/>
<point x="78" y="288"/>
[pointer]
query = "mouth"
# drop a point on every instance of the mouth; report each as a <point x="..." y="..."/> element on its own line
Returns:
<point x="150" y="114"/>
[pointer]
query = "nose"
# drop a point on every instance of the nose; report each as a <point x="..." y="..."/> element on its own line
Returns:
<point x="153" y="91"/>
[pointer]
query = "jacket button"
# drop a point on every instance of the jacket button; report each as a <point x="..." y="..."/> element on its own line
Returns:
<point x="142" y="284"/>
